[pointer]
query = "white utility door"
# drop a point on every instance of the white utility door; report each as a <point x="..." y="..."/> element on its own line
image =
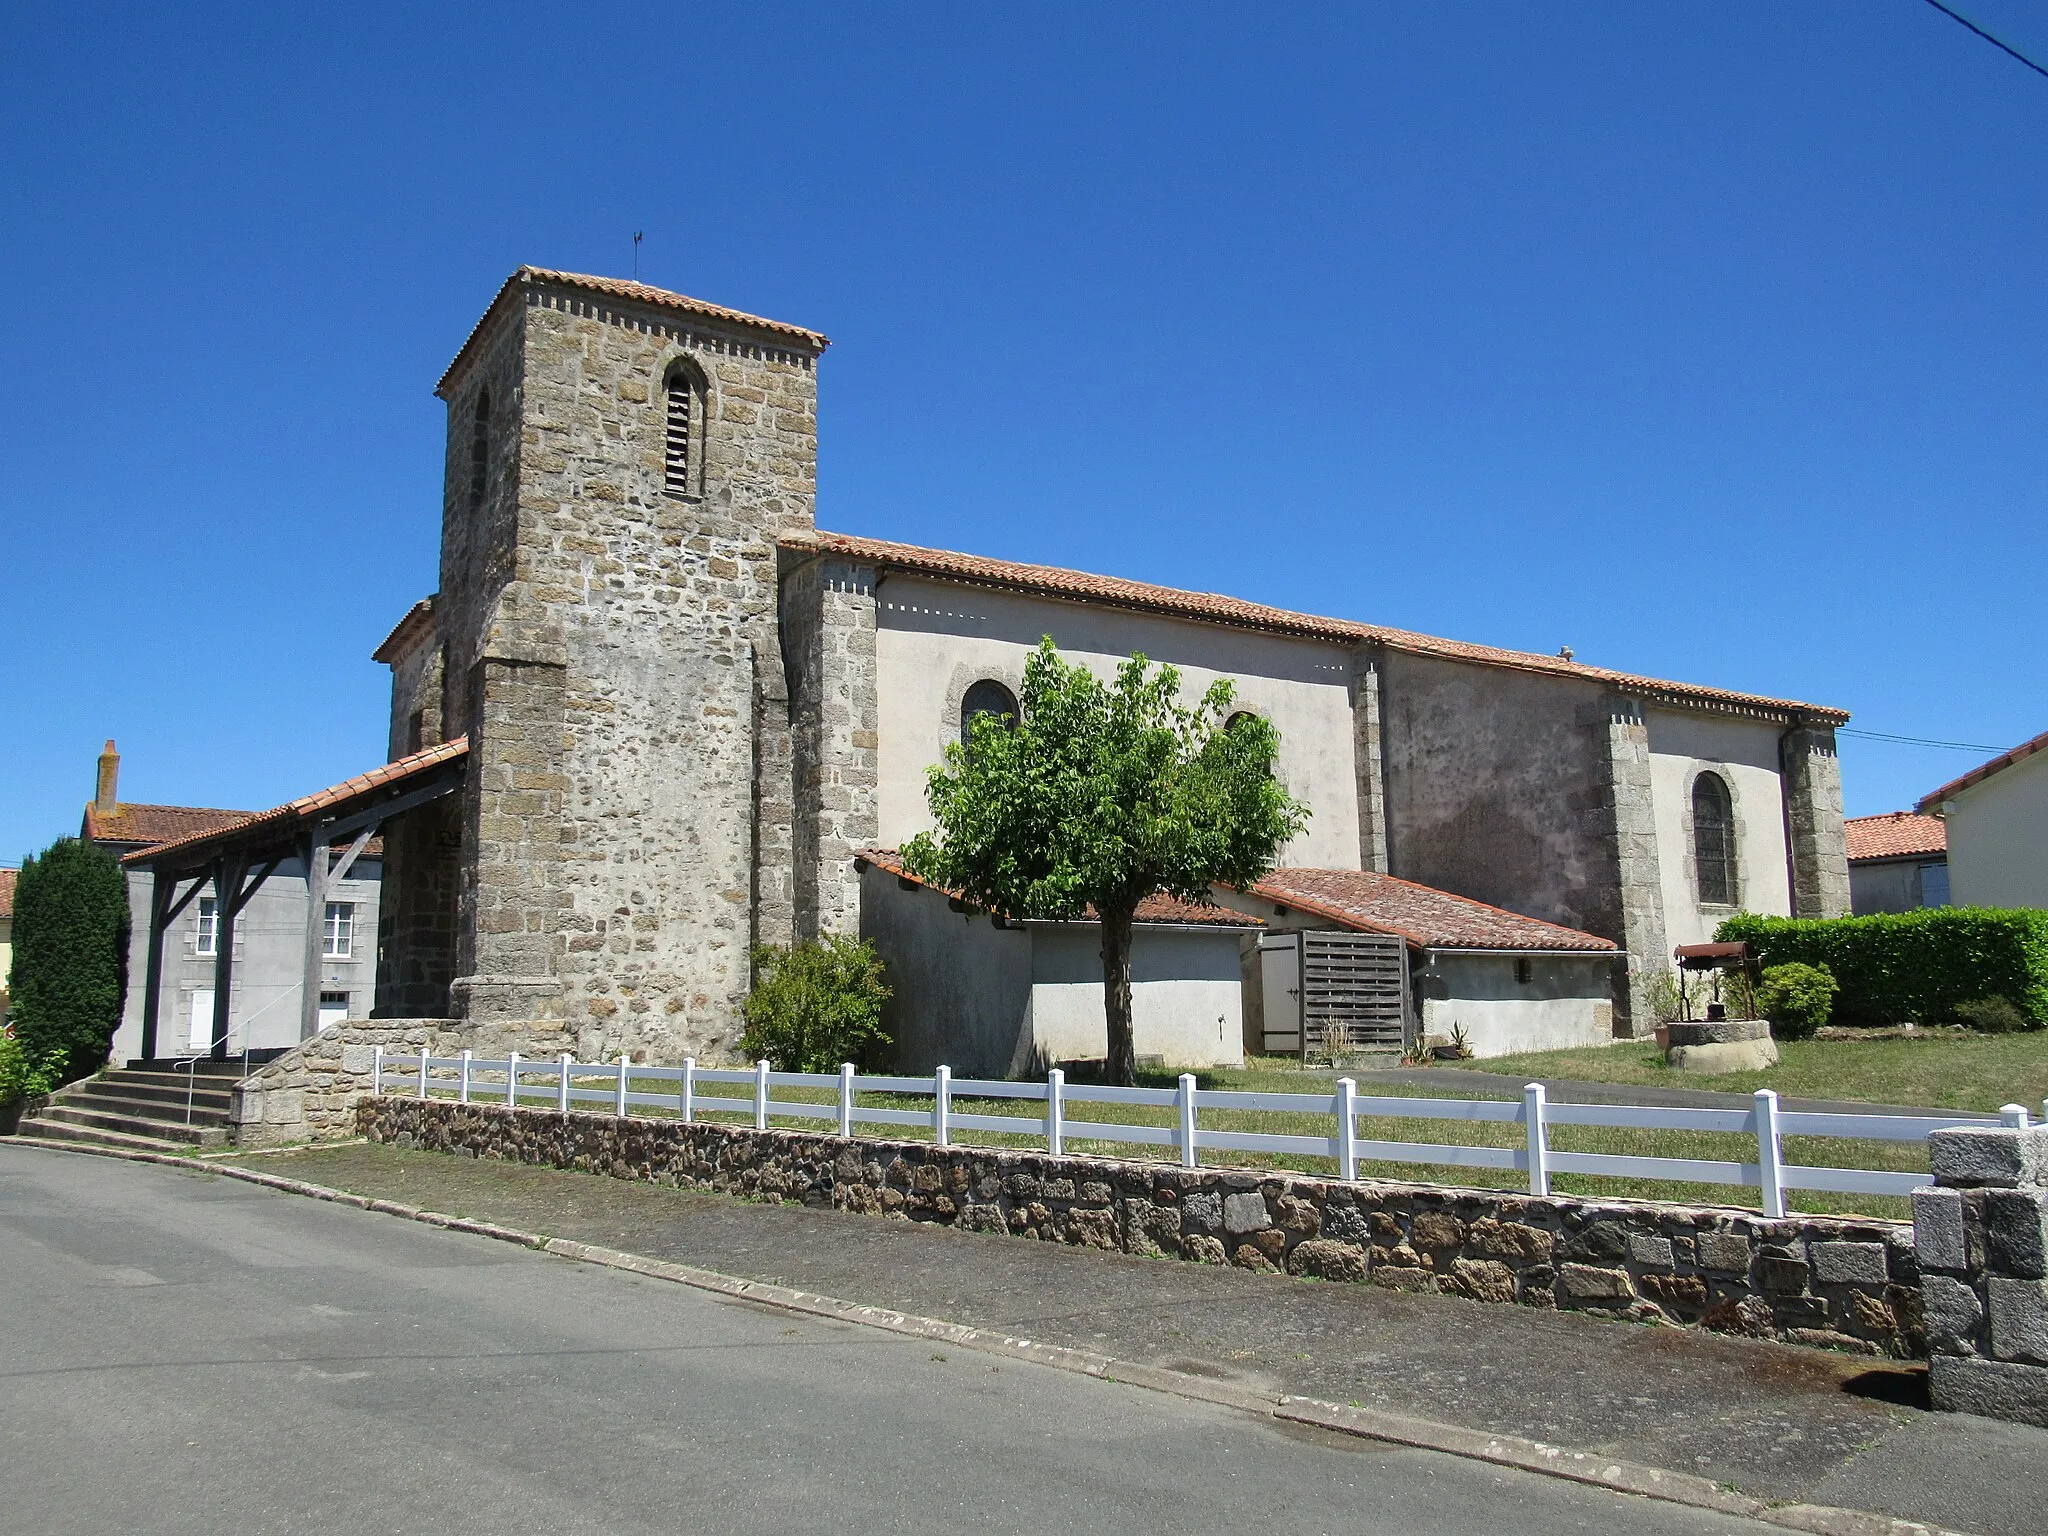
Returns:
<point x="1280" y="993"/>
<point x="200" y="1035"/>
<point x="333" y="1009"/>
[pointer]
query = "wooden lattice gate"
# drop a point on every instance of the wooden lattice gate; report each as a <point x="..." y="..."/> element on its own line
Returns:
<point x="1354" y="991"/>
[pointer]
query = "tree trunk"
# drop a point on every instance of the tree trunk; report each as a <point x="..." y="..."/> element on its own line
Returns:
<point x="1122" y="1065"/>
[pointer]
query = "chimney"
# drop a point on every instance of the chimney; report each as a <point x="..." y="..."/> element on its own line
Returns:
<point x="108" y="800"/>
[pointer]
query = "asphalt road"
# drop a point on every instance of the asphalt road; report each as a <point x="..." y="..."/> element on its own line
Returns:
<point x="182" y="1353"/>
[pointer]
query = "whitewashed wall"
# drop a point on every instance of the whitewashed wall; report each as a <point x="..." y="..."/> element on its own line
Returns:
<point x="934" y="639"/>
<point x="1998" y="838"/>
<point x="1745" y="754"/>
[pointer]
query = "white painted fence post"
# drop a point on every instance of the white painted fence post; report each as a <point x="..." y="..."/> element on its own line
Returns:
<point x="376" y="1071"/>
<point x="846" y="1098"/>
<point x="1770" y="1156"/>
<point x="562" y="1087"/>
<point x="689" y="1094"/>
<point x="942" y="1106"/>
<point x="462" y="1095"/>
<point x="625" y="1066"/>
<point x="760" y="1095"/>
<point x="1534" y="1102"/>
<point x="423" y="1071"/>
<point x="1055" y="1112"/>
<point x="2014" y="1115"/>
<point x="1347" y="1128"/>
<point x="511" y="1079"/>
<point x="1184" y="1104"/>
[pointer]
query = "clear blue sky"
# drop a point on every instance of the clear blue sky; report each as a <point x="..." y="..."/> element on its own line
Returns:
<point x="1705" y="338"/>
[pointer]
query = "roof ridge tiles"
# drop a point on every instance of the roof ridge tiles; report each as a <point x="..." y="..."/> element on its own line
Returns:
<point x="1058" y="581"/>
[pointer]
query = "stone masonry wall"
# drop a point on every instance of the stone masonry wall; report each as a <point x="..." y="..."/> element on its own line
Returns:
<point x="630" y="753"/>
<point x="1813" y="820"/>
<point x="1631" y="813"/>
<point x="1848" y="1285"/>
<point x="829" y="628"/>
<point x="1372" y="788"/>
<point x="1982" y="1235"/>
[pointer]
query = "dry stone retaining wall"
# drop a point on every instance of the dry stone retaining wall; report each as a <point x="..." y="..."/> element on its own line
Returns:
<point x="1809" y="1280"/>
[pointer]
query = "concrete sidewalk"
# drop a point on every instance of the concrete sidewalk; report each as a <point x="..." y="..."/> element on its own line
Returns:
<point x="1781" y="1423"/>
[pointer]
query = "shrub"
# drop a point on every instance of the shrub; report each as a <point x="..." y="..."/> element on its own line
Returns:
<point x="1660" y="994"/>
<point x="70" y="956"/>
<point x="1994" y="1016"/>
<point x="817" y="1005"/>
<point x="21" y="1076"/>
<point x="1922" y="966"/>
<point x="1796" y="998"/>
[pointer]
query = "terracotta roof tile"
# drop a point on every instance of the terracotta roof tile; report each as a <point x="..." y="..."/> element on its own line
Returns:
<point x="1054" y="581"/>
<point x="639" y="293"/>
<point x="1153" y="909"/>
<point x="282" y="819"/>
<point x="7" y="897"/>
<point x="1895" y="835"/>
<point x="1979" y="774"/>
<point x="152" y="825"/>
<point x="1425" y="917"/>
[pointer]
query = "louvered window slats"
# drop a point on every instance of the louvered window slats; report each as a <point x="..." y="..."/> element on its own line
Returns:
<point x="1354" y="989"/>
<point x="676" y="457"/>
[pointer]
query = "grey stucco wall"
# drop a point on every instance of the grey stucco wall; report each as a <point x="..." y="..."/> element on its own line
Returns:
<point x="962" y="986"/>
<point x="269" y="963"/>
<point x="1566" y="1002"/>
<point x="1497" y="789"/>
<point x="1886" y="885"/>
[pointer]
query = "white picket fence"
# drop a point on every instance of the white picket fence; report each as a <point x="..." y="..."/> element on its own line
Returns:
<point x="564" y="1084"/>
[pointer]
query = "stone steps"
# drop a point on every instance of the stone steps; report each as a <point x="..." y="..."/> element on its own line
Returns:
<point x="142" y="1108"/>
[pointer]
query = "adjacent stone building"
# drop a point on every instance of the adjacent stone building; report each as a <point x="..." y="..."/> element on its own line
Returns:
<point x="690" y="712"/>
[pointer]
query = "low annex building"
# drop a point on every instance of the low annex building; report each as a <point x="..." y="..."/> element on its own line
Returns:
<point x="690" y="711"/>
<point x="1898" y="862"/>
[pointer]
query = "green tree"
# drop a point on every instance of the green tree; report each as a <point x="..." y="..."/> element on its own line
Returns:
<point x="1103" y="794"/>
<point x="70" y="957"/>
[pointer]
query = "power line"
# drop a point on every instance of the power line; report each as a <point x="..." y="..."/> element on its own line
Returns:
<point x="1917" y="741"/>
<point x="1959" y="17"/>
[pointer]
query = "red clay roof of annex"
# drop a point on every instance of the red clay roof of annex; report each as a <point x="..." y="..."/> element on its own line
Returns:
<point x="640" y="293"/>
<point x="153" y="825"/>
<point x="1894" y="835"/>
<point x="283" y="816"/>
<point x="1421" y="914"/>
<point x="1979" y="774"/>
<point x="1212" y="607"/>
<point x="1153" y="909"/>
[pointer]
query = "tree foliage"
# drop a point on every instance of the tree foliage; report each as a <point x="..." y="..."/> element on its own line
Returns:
<point x="817" y="1005"/>
<point x="1102" y="794"/>
<point x="70" y="958"/>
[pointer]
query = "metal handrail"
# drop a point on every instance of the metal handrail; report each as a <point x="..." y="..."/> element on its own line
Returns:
<point x="189" y="1065"/>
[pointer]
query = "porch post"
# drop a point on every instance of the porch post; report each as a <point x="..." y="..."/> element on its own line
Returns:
<point x="316" y="853"/>
<point x="228" y="871"/>
<point x="160" y="890"/>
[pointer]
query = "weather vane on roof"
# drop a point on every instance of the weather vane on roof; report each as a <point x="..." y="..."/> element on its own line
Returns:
<point x="636" y="255"/>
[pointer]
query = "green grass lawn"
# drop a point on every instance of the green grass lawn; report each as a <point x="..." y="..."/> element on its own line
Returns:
<point x="1940" y="1069"/>
<point x="1268" y="1076"/>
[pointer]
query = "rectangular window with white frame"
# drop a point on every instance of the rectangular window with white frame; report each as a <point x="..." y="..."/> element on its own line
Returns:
<point x="341" y="931"/>
<point x="206" y="933"/>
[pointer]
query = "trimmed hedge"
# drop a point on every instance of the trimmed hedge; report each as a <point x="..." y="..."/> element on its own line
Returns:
<point x="1918" y="966"/>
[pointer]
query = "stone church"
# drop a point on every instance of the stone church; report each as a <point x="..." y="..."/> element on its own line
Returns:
<point x="695" y="720"/>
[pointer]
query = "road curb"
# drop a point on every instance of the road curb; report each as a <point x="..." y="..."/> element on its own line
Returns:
<point x="1583" y="1467"/>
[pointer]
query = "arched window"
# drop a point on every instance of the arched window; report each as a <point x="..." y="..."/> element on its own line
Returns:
<point x="1713" y="840"/>
<point x="682" y="445"/>
<point x="987" y="697"/>
<point x="1238" y="719"/>
<point x="480" y="450"/>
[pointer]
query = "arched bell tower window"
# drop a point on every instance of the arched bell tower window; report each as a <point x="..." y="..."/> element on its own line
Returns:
<point x="987" y="697"/>
<point x="480" y="450"/>
<point x="1713" y="840"/>
<point x="682" y="455"/>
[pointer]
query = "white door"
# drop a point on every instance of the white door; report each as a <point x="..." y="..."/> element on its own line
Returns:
<point x="200" y="1035"/>
<point x="1280" y="992"/>
<point x="333" y="1008"/>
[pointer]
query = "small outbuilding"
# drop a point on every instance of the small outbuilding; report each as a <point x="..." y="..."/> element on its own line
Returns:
<point x="997" y="997"/>
<point x="1355" y="960"/>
